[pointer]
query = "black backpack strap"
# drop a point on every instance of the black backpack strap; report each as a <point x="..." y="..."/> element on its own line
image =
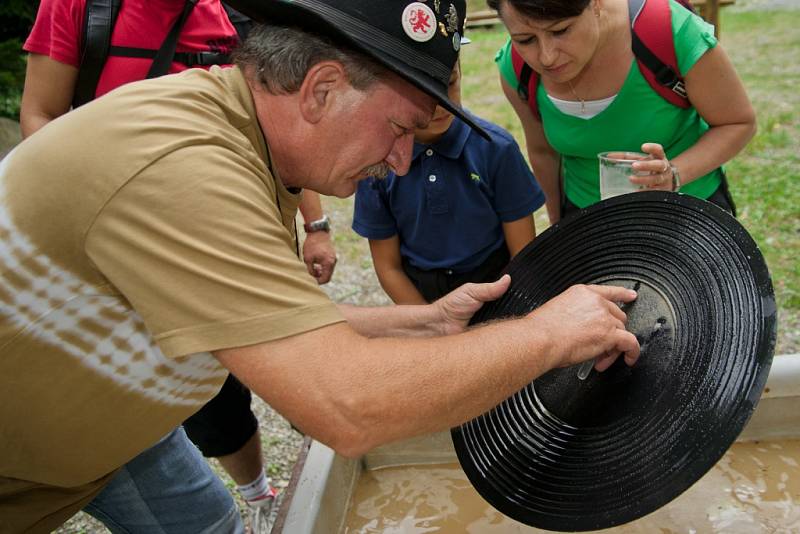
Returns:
<point x="664" y="74"/>
<point x="524" y="80"/>
<point x="166" y="53"/>
<point x="527" y="81"/>
<point x="98" y="23"/>
<point x="190" y="59"/>
<point x="240" y="22"/>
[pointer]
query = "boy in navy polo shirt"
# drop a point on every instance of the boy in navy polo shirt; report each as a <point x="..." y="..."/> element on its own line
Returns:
<point x="459" y="215"/>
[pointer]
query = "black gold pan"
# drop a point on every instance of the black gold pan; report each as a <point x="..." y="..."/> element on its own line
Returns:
<point x="569" y="453"/>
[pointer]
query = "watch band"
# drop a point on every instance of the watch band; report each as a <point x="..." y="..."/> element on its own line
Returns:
<point x="676" y="177"/>
<point x="320" y="225"/>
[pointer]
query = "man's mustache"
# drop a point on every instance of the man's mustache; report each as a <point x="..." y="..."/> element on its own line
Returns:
<point x="379" y="170"/>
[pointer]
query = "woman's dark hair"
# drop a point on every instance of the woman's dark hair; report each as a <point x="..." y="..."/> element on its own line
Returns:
<point x="543" y="9"/>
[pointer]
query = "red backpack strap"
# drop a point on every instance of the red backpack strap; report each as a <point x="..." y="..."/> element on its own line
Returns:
<point x="527" y="81"/>
<point x="653" y="45"/>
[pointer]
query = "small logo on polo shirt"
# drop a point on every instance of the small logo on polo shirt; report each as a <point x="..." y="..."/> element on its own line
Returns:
<point x="474" y="177"/>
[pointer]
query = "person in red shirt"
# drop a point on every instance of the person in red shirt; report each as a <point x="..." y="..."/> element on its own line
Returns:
<point x="226" y="428"/>
<point x="55" y="47"/>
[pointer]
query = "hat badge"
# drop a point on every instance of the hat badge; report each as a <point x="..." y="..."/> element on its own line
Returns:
<point x="419" y="22"/>
<point x="452" y="19"/>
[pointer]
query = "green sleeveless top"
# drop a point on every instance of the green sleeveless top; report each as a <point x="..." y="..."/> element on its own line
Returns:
<point x="637" y="115"/>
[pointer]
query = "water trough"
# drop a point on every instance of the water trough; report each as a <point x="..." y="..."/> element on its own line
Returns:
<point x="324" y="484"/>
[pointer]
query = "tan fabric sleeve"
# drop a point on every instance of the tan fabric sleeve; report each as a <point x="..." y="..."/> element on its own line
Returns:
<point x="195" y="243"/>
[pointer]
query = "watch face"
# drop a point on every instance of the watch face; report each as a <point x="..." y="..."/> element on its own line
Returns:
<point x="322" y="225"/>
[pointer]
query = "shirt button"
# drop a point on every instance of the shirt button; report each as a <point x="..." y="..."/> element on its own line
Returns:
<point x="429" y="152"/>
<point x="432" y="178"/>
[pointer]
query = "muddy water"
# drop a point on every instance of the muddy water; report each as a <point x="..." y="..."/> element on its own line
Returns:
<point x="754" y="488"/>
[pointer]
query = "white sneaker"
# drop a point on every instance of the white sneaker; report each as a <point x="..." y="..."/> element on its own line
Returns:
<point x="262" y="512"/>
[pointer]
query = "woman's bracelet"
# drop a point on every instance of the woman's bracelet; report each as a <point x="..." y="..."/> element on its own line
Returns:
<point x="676" y="177"/>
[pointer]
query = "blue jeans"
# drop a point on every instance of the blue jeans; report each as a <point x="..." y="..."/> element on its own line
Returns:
<point x="167" y="489"/>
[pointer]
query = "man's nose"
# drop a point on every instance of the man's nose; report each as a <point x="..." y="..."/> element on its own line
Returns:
<point x="399" y="159"/>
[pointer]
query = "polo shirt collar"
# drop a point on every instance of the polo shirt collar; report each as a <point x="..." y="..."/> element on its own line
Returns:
<point x="452" y="142"/>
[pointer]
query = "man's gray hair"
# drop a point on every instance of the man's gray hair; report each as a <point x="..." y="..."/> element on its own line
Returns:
<point x="279" y="58"/>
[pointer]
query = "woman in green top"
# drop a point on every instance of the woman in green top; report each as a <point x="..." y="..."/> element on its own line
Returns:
<point x="592" y="98"/>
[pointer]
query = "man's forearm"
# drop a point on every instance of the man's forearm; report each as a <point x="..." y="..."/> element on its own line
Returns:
<point x="359" y="393"/>
<point x="393" y="321"/>
<point x="311" y="206"/>
<point x="354" y="393"/>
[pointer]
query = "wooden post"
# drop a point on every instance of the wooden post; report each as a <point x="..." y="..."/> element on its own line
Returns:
<point x="712" y="15"/>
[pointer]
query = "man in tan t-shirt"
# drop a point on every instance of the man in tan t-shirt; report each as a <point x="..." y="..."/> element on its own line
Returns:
<point x="148" y="248"/>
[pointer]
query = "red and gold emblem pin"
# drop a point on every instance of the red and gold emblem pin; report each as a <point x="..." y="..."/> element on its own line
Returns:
<point x="419" y="22"/>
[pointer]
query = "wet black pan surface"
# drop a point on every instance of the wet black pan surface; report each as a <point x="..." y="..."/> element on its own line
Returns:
<point x="573" y="455"/>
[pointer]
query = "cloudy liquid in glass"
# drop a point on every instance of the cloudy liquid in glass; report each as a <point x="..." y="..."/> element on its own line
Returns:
<point x="754" y="488"/>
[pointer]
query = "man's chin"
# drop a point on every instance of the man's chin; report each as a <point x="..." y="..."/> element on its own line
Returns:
<point x="346" y="188"/>
<point x="345" y="192"/>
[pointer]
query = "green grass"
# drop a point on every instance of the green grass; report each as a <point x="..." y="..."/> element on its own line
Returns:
<point x="765" y="177"/>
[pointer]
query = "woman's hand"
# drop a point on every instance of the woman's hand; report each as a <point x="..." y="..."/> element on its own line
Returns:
<point x="661" y="173"/>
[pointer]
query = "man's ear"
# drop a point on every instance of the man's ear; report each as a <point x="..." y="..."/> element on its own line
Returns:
<point x="319" y="89"/>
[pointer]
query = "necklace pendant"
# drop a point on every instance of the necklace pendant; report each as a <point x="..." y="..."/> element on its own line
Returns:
<point x="575" y="94"/>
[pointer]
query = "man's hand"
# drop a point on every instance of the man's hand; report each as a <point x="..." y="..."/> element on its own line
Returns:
<point x="585" y="322"/>
<point x="457" y="307"/>
<point x="319" y="256"/>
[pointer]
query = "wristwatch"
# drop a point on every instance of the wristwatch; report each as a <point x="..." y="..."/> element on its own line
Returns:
<point x="320" y="225"/>
<point x="676" y="177"/>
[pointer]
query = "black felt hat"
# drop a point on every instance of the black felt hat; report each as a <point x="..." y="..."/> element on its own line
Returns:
<point x="571" y="452"/>
<point x="419" y="41"/>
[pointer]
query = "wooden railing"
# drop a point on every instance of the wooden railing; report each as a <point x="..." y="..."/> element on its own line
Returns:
<point x="708" y="9"/>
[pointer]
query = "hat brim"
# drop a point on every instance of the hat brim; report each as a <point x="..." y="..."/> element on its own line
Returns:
<point x="303" y="16"/>
<point x="572" y="454"/>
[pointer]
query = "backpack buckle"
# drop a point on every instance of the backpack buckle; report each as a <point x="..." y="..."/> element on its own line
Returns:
<point x="679" y="88"/>
<point x="202" y="59"/>
<point x="190" y="59"/>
